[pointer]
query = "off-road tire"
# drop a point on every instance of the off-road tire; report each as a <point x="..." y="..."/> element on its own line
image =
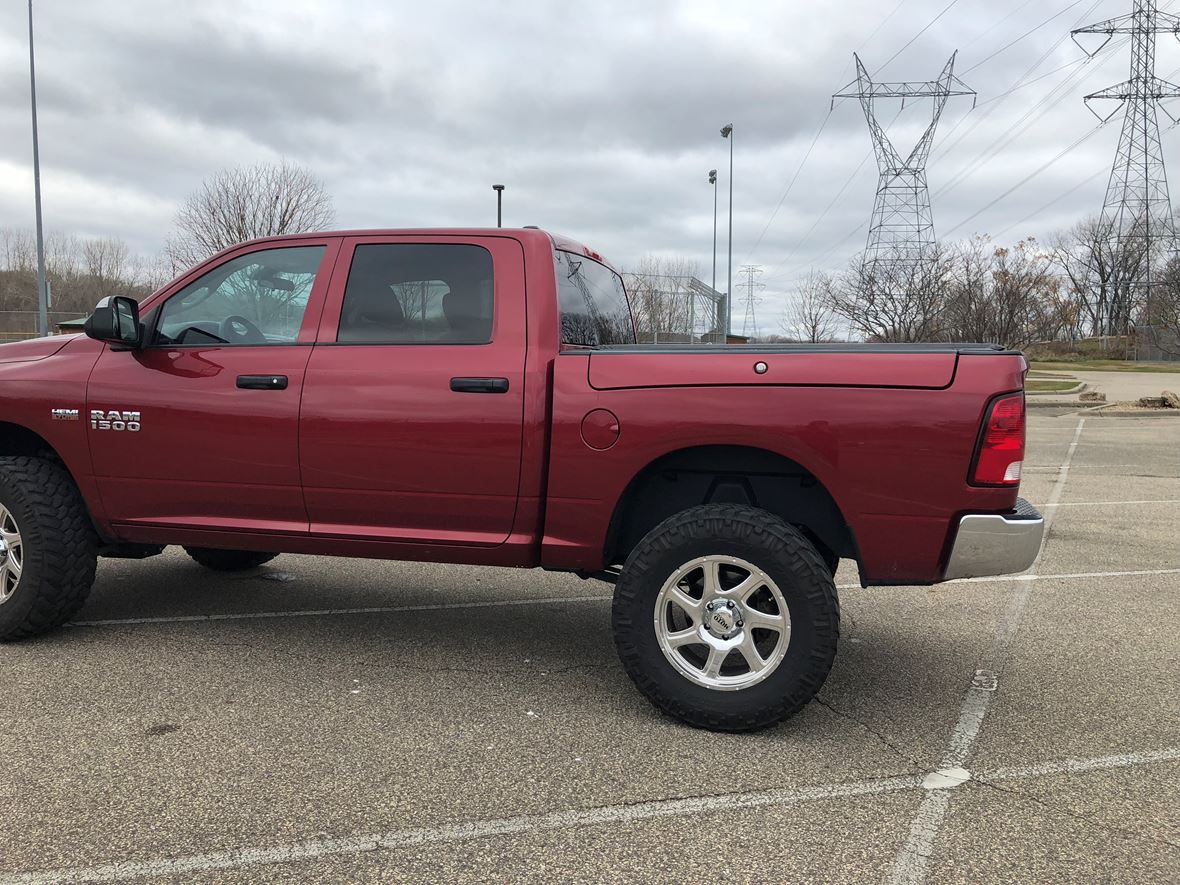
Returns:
<point x="228" y="560"/>
<point x="59" y="546"/>
<point x="787" y="557"/>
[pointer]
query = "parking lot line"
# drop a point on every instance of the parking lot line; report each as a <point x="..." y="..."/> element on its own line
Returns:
<point x="604" y="815"/>
<point x="912" y="860"/>
<point x="554" y="600"/>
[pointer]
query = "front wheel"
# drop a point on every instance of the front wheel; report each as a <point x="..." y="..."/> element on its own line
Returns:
<point x="48" y="547"/>
<point x="726" y="618"/>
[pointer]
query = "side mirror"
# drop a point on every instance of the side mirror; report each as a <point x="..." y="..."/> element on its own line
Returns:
<point x="116" y="321"/>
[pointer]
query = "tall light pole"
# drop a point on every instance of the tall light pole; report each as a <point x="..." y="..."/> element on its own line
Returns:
<point x="499" y="189"/>
<point x="727" y="132"/>
<point x="713" y="181"/>
<point x="42" y="291"/>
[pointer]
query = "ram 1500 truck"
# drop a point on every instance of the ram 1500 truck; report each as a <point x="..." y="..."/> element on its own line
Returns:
<point x="478" y="396"/>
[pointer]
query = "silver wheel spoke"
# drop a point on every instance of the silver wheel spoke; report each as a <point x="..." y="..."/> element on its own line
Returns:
<point x="716" y="658"/>
<point x="13" y="567"/>
<point x="684" y="637"/>
<point x="7" y="537"/>
<point x="748" y="651"/>
<point x="743" y="590"/>
<point x="692" y="607"/>
<point x="712" y="572"/>
<point x="756" y="620"/>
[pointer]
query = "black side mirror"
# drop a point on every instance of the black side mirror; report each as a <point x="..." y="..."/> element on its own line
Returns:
<point x="116" y="321"/>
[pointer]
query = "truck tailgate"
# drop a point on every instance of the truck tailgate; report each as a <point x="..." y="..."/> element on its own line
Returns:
<point x="652" y="367"/>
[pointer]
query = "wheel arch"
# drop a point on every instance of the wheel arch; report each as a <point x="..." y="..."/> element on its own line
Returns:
<point x="728" y="474"/>
<point x="17" y="439"/>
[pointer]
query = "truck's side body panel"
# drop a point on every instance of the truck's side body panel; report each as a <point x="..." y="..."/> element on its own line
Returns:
<point x="894" y="460"/>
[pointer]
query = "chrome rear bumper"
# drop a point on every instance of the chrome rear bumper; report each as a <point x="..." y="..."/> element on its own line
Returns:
<point x="996" y="543"/>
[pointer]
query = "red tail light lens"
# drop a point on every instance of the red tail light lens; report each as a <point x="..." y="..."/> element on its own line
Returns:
<point x="1001" y="448"/>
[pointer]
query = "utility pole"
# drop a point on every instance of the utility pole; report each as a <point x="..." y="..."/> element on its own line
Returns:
<point x="499" y="189"/>
<point x="42" y="291"/>
<point x="901" y="234"/>
<point x="1137" y="212"/>
<point x="750" y="323"/>
<point x="727" y="132"/>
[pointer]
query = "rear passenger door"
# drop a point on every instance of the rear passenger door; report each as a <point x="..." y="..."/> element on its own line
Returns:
<point x="413" y="405"/>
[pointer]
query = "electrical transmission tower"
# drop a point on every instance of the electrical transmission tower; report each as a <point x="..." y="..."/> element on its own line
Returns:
<point x="901" y="234"/>
<point x="1137" y="213"/>
<point x="750" y="323"/>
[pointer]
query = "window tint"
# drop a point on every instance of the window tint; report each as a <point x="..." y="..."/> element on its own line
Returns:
<point x="593" y="302"/>
<point x="254" y="299"/>
<point x="411" y="293"/>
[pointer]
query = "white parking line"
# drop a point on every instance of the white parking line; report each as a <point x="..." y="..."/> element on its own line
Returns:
<point x="325" y="612"/>
<point x="604" y="815"/>
<point x="912" y="860"/>
<point x="552" y="600"/>
<point x="1107" y="503"/>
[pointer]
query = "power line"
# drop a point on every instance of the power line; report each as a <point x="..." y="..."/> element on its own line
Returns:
<point x="1024" y="180"/>
<point x="914" y="38"/>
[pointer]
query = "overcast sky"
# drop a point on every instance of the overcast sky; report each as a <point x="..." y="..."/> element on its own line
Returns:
<point x="601" y="118"/>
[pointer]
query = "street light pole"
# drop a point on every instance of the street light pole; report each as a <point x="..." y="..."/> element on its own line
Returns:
<point x="713" y="181"/>
<point x="42" y="291"/>
<point x="499" y="189"/>
<point x="727" y="132"/>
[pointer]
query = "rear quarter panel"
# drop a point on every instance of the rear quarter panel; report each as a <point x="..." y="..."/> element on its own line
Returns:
<point x="895" y="459"/>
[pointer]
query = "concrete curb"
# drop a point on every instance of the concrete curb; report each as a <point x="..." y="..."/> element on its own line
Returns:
<point x="1069" y="391"/>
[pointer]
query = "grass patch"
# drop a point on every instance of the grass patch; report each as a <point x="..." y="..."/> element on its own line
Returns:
<point x="1109" y="366"/>
<point x="1036" y="386"/>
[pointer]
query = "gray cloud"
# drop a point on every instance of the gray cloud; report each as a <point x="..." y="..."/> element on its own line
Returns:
<point x="601" y="118"/>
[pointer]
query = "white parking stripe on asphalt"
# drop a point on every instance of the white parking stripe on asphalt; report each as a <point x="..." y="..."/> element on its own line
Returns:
<point x="548" y="600"/>
<point x="603" y="815"/>
<point x="910" y="864"/>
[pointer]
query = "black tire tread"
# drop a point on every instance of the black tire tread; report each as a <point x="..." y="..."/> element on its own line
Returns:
<point x="762" y="529"/>
<point x="63" y="554"/>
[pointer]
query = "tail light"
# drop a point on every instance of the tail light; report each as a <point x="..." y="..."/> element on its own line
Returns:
<point x="1001" y="445"/>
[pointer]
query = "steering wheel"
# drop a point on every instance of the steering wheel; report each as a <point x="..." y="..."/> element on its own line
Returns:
<point x="239" y="330"/>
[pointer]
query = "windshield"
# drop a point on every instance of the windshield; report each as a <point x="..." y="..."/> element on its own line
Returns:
<point x="593" y="302"/>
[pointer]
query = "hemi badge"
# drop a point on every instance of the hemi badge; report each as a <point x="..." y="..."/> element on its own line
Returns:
<point x="65" y="414"/>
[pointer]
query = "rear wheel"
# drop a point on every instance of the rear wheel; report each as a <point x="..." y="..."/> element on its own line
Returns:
<point x="48" y="547"/>
<point x="228" y="560"/>
<point x="726" y="618"/>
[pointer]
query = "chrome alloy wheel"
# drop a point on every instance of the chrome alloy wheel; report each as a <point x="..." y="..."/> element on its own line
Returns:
<point x="11" y="555"/>
<point x="722" y="622"/>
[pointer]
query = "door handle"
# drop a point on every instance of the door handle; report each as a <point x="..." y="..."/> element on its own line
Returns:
<point x="262" y="382"/>
<point x="479" y="385"/>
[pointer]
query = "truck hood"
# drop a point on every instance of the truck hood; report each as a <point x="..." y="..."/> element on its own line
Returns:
<point x="33" y="349"/>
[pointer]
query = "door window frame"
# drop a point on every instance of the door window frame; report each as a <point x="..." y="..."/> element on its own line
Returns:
<point x="152" y="307"/>
<point x="508" y="288"/>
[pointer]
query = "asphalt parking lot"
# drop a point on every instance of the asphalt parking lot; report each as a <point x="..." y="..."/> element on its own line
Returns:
<point x="461" y="724"/>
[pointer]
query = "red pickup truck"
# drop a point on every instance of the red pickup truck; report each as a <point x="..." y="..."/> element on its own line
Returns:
<point x="478" y="396"/>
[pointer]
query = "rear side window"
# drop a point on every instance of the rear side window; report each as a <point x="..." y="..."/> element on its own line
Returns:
<point x="418" y="293"/>
<point x="593" y="303"/>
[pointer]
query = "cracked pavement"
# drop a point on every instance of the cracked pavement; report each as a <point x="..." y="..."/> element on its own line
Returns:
<point x="502" y="742"/>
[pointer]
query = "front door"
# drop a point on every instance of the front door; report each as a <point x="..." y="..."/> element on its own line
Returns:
<point x="200" y="428"/>
<point x="413" y="405"/>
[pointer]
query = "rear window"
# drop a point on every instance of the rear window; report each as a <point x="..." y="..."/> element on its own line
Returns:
<point x="593" y="303"/>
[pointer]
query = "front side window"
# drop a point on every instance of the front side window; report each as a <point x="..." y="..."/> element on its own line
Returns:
<point x="254" y="299"/>
<point x="593" y="302"/>
<point x="418" y="293"/>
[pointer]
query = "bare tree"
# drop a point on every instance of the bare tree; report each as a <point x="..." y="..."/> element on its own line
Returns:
<point x="1003" y="295"/>
<point x="661" y="299"/>
<point x="895" y="300"/>
<point x="811" y="316"/>
<point x="240" y="204"/>
<point x="1101" y="272"/>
